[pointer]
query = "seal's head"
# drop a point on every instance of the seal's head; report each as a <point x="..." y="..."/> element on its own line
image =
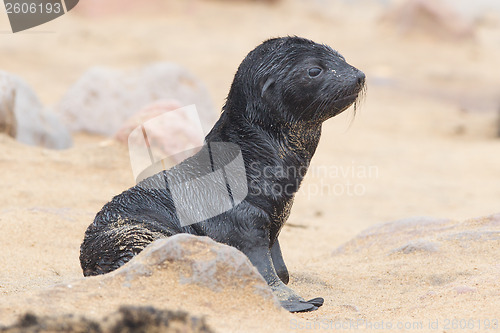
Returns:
<point x="292" y="80"/>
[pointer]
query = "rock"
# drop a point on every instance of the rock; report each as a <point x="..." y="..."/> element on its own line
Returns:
<point x="103" y="98"/>
<point x="430" y="18"/>
<point x="424" y="234"/>
<point x="101" y="9"/>
<point x="199" y="260"/>
<point x="24" y="118"/>
<point x="97" y="8"/>
<point x="8" y="122"/>
<point x="397" y="235"/>
<point x="262" y="1"/>
<point x="419" y="245"/>
<point x="186" y="272"/>
<point x="163" y="120"/>
<point x="422" y="264"/>
<point x="474" y="235"/>
<point x="475" y="123"/>
<point x="497" y="125"/>
<point x="126" y="319"/>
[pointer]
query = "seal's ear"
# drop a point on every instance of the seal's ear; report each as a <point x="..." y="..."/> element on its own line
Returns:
<point x="269" y="82"/>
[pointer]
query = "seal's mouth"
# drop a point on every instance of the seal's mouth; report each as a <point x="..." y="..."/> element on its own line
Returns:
<point x="353" y="97"/>
<point x="345" y="102"/>
<point x="336" y="98"/>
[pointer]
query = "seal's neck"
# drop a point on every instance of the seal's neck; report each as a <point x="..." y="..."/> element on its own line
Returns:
<point x="295" y="142"/>
<point x="276" y="156"/>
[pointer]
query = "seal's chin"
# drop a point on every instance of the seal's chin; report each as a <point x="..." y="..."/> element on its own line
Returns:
<point x="349" y="99"/>
<point x="343" y="103"/>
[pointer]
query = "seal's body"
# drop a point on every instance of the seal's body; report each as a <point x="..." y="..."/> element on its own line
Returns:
<point x="282" y="92"/>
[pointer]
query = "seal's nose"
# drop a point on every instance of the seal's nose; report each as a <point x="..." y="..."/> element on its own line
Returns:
<point x="360" y="76"/>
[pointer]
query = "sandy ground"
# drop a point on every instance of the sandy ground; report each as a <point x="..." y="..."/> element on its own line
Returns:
<point x="423" y="143"/>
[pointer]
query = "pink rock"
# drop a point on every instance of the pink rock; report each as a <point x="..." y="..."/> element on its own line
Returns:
<point x="173" y="134"/>
<point x="433" y="18"/>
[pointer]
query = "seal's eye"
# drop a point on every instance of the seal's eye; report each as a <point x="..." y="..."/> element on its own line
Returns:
<point x="315" y="71"/>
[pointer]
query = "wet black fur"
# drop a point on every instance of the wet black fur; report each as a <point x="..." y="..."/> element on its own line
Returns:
<point x="274" y="113"/>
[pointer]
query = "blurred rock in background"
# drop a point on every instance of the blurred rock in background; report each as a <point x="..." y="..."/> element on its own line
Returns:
<point x="98" y="8"/>
<point x="23" y="117"/>
<point x="433" y="19"/>
<point x="174" y="134"/>
<point x="104" y="98"/>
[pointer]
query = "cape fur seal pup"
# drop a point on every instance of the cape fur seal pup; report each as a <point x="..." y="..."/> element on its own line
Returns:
<point x="281" y="94"/>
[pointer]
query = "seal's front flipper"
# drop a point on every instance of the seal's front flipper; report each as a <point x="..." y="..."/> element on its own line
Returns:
<point x="279" y="263"/>
<point x="318" y="301"/>
<point x="261" y="258"/>
<point x="297" y="306"/>
<point x="302" y="306"/>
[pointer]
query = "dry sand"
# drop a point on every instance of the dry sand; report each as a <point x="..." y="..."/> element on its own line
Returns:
<point x="422" y="144"/>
